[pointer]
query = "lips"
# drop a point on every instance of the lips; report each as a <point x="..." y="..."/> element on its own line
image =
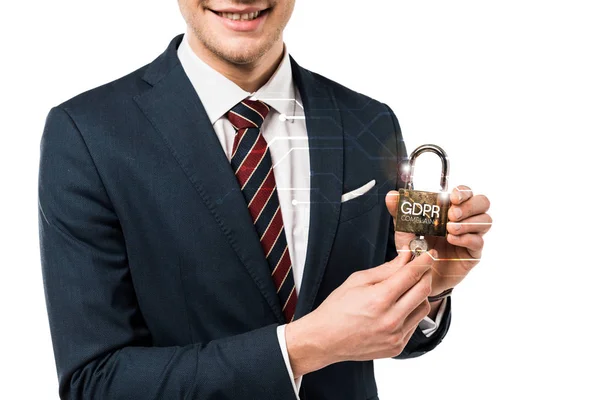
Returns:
<point x="248" y="19"/>
<point x="239" y="16"/>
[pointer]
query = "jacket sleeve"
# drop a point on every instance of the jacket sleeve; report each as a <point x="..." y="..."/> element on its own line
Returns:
<point x="418" y="344"/>
<point x="102" y="347"/>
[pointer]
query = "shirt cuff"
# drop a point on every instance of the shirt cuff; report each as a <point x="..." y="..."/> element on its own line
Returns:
<point x="286" y="358"/>
<point x="429" y="326"/>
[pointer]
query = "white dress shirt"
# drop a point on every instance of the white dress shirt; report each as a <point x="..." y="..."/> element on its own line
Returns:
<point x="284" y="129"/>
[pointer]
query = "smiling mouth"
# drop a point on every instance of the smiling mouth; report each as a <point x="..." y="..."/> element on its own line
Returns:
<point x="241" y="16"/>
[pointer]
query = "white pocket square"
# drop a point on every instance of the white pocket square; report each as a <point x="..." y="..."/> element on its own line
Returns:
<point x="358" y="192"/>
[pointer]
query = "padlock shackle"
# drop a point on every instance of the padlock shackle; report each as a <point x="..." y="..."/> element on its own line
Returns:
<point x="430" y="148"/>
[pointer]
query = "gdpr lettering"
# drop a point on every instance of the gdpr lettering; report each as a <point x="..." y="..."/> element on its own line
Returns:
<point x="420" y="209"/>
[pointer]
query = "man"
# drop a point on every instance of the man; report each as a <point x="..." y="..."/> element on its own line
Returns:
<point x="218" y="225"/>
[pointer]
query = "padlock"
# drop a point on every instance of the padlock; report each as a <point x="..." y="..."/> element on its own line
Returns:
<point x="419" y="212"/>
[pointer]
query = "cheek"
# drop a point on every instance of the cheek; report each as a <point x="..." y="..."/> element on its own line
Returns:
<point x="188" y="9"/>
<point x="281" y="13"/>
<point x="287" y="12"/>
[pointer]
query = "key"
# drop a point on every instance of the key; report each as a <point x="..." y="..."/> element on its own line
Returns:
<point x="417" y="246"/>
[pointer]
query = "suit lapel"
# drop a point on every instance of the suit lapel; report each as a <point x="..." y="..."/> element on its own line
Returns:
<point x="325" y="137"/>
<point x="174" y="109"/>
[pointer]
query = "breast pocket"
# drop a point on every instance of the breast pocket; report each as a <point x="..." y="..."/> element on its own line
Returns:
<point x="358" y="201"/>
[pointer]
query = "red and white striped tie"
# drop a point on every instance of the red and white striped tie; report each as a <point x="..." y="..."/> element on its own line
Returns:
<point x="251" y="162"/>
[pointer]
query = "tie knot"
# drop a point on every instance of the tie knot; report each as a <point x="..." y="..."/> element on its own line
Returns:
<point x="248" y="114"/>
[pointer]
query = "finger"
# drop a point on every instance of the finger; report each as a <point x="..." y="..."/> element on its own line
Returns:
<point x="411" y="332"/>
<point x="373" y="275"/>
<point x="384" y="271"/>
<point x="417" y="315"/>
<point x="477" y="224"/>
<point x="471" y="241"/>
<point x="403" y="239"/>
<point x="460" y="194"/>
<point x="406" y="277"/>
<point x="404" y="255"/>
<point x="410" y="300"/>
<point x="391" y="202"/>
<point x="476" y="205"/>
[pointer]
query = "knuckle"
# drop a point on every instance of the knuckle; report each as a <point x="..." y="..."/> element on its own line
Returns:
<point x="467" y="209"/>
<point x="397" y="262"/>
<point x="388" y="324"/>
<point x="426" y="307"/>
<point x="424" y="289"/>
<point x="429" y="278"/>
<point x="458" y="239"/>
<point x="375" y="304"/>
<point x="429" y="259"/>
<point x="414" y="276"/>
<point x="429" y="275"/>
<point x="402" y="331"/>
<point x="399" y="349"/>
<point x="426" y="283"/>
<point x="357" y="276"/>
<point x="429" y="284"/>
<point x="469" y="241"/>
<point x="396" y="341"/>
<point x="475" y="242"/>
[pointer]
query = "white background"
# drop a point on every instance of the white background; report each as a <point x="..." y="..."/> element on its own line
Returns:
<point x="511" y="90"/>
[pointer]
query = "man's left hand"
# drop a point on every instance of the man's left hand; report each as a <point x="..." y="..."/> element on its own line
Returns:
<point x="461" y="249"/>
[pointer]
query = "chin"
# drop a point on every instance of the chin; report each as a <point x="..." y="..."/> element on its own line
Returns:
<point x="243" y="51"/>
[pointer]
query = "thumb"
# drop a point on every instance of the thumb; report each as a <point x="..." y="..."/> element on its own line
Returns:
<point x="391" y="202"/>
<point x="385" y="270"/>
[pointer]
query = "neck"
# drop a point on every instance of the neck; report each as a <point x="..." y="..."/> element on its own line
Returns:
<point x="251" y="76"/>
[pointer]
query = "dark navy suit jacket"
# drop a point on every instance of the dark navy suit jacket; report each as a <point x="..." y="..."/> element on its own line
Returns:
<point x="155" y="280"/>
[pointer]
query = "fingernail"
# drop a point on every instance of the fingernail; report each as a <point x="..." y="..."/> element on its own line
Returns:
<point x="433" y="253"/>
<point x="460" y="197"/>
<point x="457" y="227"/>
<point x="457" y="213"/>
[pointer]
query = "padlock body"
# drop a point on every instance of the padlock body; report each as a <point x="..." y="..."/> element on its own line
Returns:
<point x="422" y="213"/>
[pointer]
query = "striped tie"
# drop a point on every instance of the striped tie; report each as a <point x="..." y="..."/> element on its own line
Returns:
<point x="253" y="168"/>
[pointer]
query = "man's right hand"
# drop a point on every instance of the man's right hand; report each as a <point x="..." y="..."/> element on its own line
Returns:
<point x="371" y="315"/>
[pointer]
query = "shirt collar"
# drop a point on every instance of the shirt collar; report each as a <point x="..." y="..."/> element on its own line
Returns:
<point x="218" y="94"/>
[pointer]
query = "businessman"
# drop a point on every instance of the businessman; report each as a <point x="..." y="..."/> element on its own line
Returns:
<point x="218" y="224"/>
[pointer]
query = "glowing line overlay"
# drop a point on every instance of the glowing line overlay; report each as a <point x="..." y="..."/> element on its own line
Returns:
<point x="405" y="167"/>
<point x="442" y="259"/>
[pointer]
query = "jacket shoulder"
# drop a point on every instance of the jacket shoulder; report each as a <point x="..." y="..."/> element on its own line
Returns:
<point x="108" y="97"/>
<point x="351" y="100"/>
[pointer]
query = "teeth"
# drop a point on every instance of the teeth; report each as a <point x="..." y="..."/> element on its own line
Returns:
<point x="243" y="17"/>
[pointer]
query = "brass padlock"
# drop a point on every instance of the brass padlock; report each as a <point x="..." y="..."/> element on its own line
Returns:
<point x="424" y="213"/>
